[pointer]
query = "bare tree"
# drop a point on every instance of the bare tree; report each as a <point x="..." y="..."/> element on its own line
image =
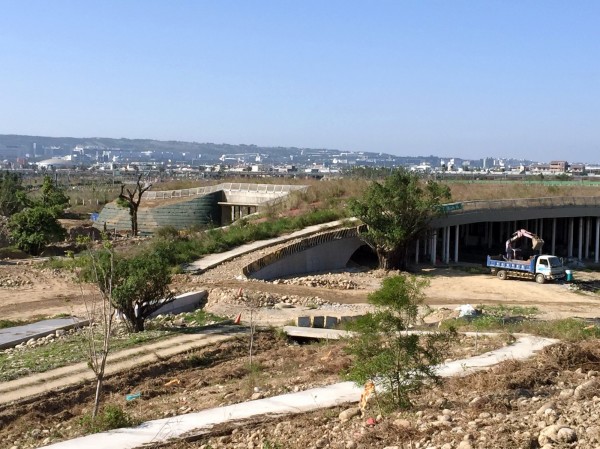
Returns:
<point x="100" y="313"/>
<point x="132" y="199"/>
<point x="252" y="302"/>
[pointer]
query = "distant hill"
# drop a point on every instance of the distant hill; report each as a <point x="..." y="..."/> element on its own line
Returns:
<point x="37" y="148"/>
<point x="17" y="146"/>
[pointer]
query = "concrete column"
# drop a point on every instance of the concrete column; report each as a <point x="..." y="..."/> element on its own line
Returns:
<point x="486" y="231"/>
<point x="444" y="239"/>
<point x="588" y="229"/>
<point x="580" y="242"/>
<point x="232" y="214"/>
<point x="434" y="247"/>
<point x="541" y="232"/>
<point x="430" y="248"/>
<point x="553" y="251"/>
<point x="417" y="253"/>
<point x="570" y="238"/>
<point x="597" y="247"/>
<point x="456" y="238"/>
<point x="448" y="244"/>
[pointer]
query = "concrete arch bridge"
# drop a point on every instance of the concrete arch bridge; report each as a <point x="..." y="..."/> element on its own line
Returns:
<point x="570" y="227"/>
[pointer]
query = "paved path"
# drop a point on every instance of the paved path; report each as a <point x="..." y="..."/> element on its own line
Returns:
<point x="201" y="422"/>
<point x="117" y="362"/>
<point x="212" y="260"/>
<point x="12" y="336"/>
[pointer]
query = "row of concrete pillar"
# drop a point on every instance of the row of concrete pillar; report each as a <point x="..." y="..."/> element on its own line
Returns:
<point x="238" y="212"/>
<point x="584" y="240"/>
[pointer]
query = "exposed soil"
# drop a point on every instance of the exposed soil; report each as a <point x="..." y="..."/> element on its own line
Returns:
<point x="539" y="403"/>
<point x="38" y="293"/>
<point x="221" y="376"/>
<point x="200" y="379"/>
<point x="28" y="292"/>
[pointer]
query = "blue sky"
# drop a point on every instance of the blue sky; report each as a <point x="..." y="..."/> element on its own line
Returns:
<point x="450" y="78"/>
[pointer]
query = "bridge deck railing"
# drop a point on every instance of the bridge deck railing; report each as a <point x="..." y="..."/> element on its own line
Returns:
<point x="273" y="189"/>
<point x="519" y="203"/>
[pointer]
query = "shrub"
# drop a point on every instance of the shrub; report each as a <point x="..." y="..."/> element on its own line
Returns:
<point x="167" y="232"/>
<point x="35" y="227"/>
<point x="384" y="352"/>
<point x="111" y="417"/>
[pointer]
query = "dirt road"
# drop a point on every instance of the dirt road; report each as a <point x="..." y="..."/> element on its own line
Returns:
<point x="28" y="292"/>
<point x="41" y="293"/>
<point x="554" y="300"/>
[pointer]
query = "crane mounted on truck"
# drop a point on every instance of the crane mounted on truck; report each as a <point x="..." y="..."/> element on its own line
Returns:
<point x="542" y="268"/>
<point x="513" y="253"/>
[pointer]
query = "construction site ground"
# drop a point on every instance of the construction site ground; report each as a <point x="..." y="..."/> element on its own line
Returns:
<point x="220" y="374"/>
<point x="28" y="292"/>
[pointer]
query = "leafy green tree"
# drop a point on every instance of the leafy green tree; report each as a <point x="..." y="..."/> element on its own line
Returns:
<point x="397" y="212"/>
<point x="35" y="227"/>
<point x="53" y="196"/>
<point x="385" y="353"/>
<point x="13" y="197"/>
<point x="139" y="285"/>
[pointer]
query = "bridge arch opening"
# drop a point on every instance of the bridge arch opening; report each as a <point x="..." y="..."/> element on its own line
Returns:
<point x="364" y="256"/>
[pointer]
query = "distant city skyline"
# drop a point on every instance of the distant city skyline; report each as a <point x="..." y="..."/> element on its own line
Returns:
<point x="33" y="149"/>
<point x="453" y="79"/>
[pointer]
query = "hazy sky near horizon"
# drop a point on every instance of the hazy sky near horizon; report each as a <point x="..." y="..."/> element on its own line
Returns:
<point x="451" y="78"/>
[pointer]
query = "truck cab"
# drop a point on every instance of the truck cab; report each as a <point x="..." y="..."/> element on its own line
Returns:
<point x="550" y="267"/>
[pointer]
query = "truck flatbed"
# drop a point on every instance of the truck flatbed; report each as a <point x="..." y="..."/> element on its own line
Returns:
<point x="521" y="265"/>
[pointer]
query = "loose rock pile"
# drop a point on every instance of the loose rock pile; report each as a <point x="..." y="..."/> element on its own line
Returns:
<point x="14" y="281"/>
<point x="261" y="299"/>
<point x="564" y="415"/>
<point x="336" y="282"/>
<point x="59" y="334"/>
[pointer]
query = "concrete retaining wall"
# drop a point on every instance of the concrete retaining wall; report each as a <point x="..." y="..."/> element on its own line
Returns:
<point x="198" y="211"/>
<point x="187" y="302"/>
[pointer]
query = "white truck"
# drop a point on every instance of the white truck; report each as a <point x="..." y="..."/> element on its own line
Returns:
<point x="542" y="268"/>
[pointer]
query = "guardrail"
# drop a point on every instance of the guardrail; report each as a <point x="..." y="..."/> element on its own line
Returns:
<point x="272" y="189"/>
<point x="521" y="203"/>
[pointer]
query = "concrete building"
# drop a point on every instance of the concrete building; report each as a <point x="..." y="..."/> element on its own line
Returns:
<point x="559" y="166"/>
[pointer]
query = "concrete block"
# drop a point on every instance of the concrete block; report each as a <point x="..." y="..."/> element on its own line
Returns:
<point x="318" y="321"/>
<point x="331" y="322"/>
<point x="303" y="321"/>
